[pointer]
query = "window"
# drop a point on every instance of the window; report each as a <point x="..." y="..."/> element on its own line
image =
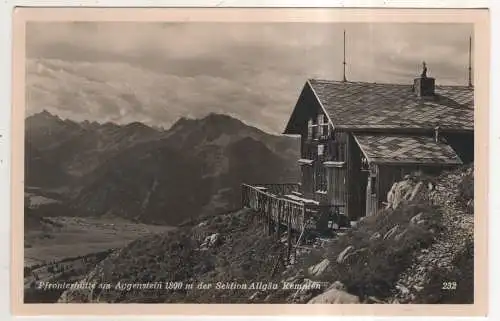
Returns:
<point x="342" y="151"/>
<point x="311" y="129"/>
<point x="331" y="150"/>
<point x="310" y="151"/>
<point x="322" y="131"/>
<point x="320" y="126"/>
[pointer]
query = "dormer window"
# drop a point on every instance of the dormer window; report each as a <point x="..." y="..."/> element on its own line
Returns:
<point x="323" y="126"/>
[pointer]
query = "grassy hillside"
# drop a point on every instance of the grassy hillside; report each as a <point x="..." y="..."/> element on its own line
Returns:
<point x="243" y="252"/>
<point x="410" y="254"/>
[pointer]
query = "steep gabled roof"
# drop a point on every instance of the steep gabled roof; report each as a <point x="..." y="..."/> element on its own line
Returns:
<point x="401" y="149"/>
<point x="363" y="106"/>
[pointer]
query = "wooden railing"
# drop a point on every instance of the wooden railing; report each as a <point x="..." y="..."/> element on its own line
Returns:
<point x="280" y="189"/>
<point x="276" y="210"/>
<point x="275" y="207"/>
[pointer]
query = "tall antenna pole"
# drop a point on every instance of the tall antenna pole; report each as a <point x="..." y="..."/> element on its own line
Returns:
<point x="470" y="61"/>
<point x="344" y="79"/>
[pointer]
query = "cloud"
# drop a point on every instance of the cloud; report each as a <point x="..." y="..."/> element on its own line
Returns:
<point x="158" y="72"/>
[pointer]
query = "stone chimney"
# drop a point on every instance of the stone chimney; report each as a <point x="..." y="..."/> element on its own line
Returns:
<point x="423" y="86"/>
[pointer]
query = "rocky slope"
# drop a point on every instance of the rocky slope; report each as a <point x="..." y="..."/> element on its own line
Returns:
<point x="435" y="273"/>
<point x="411" y="252"/>
<point x="418" y="250"/>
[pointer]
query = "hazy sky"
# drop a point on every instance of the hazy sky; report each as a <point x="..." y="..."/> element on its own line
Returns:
<point x="158" y="72"/>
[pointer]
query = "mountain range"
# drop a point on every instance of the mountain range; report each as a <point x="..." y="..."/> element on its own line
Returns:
<point x="154" y="175"/>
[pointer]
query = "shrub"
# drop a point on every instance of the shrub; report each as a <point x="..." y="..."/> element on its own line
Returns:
<point x="377" y="264"/>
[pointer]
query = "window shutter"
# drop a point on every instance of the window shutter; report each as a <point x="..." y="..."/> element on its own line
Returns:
<point x="310" y="129"/>
<point x="321" y="150"/>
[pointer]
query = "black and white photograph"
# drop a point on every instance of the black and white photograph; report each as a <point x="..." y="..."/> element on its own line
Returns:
<point x="250" y="163"/>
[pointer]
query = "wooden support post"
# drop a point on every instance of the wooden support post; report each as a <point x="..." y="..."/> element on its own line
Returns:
<point x="289" y="236"/>
<point x="301" y="233"/>
<point x="265" y="220"/>
<point x="296" y="241"/>
<point x="280" y="214"/>
<point x="269" y="218"/>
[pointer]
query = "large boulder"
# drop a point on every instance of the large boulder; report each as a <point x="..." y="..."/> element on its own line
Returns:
<point x="401" y="235"/>
<point x="341" y="257"/>
<point x="415" y="219"/>
<point x="406" y="190"/>
<point x="337" y="285"/>
<point x="389" y="234"/>
<point x="334" y="296"/>
<point x="318" y="269"/>
<point x="416" y="192"/>
<point x="210" y="241"/>
<point x="375" y="236"/>
<point x="352" y="256"/>
<point x="398" y="192"/>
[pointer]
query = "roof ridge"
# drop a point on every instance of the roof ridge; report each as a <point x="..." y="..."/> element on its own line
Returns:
<point x="357" y="82"/>
<point x="332" y="81"/>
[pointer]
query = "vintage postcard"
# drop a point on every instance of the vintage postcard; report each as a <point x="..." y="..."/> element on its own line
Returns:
<point x="274" y="161"/>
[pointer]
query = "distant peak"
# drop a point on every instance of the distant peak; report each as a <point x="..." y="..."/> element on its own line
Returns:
<point x="135" y="124"/>
<point x="45" y="113"/>
<point x="182" y="121"/>
<point x="219" y="117"/>
<point x="110" y="124"/>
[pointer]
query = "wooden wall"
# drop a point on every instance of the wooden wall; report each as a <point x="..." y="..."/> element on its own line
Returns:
<point x="307" y="181"/>
<point x="463" y="144"/>
<point x="356" y="180"/>
<point x="336" y="180"/>
<point x="371" y="195"/>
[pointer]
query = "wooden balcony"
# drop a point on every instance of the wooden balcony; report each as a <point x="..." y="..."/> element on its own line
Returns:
<point x="289" y="208"/>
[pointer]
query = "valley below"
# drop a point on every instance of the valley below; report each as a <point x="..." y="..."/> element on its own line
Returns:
<point x="61" y="249"/>
<point x="78" y="236"/>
